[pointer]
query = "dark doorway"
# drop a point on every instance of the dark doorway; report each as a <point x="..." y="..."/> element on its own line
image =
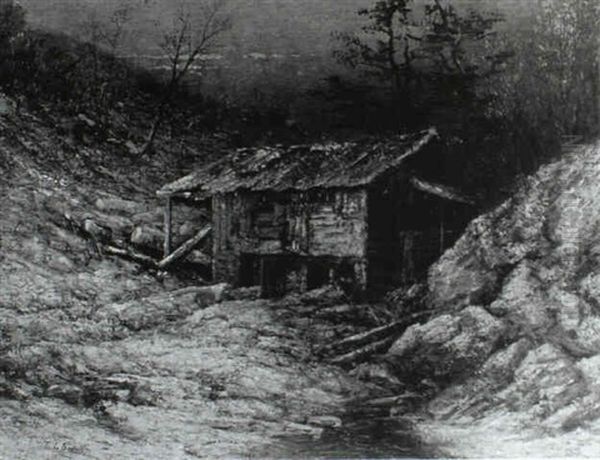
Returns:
<point x="319" y="273"/>
<point x="276" y="273"/>
<point x="249" y="270"/>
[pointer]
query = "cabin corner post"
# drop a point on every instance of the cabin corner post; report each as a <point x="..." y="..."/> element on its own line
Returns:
<point x="168" y="226"/>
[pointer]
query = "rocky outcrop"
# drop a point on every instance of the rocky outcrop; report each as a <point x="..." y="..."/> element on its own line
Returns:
<point x="518" y="306"/>
<point x="448" y="346"/>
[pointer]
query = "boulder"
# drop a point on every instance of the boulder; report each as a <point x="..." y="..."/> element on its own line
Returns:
<point x="325" y="421"/>
<point x="545" y="381"/>
<point x="587" y="335"/>
<point x="244" y="293"/>
<point x="501" y="366"/>
<point x="522" y="302"/>
<point x="324" y="296"/>
<point x="447" y="346"/>
<point x="119" y="205"/>
<point x="590" y="370"/>
<point x="187" y="230"/>
<point x="473" y="270"/>
<point x="147" y="237"/>
<point x="208" y="295"/>
<point x="151" y="311"/>
<point x="376" y="373"/>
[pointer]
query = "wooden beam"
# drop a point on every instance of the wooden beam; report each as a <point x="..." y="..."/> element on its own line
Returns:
<point x="168" y="226"/>
<point x="185" y="248"/>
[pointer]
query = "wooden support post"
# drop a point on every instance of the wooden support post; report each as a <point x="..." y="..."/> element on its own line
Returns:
<point x="442" y="229"/>
<point x="168" y="226"/>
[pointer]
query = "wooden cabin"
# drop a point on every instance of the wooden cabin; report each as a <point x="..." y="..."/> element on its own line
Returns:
<point x="355" y="214"/>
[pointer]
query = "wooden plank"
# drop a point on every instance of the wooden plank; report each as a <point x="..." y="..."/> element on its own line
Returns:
<point x="185" y="248"/>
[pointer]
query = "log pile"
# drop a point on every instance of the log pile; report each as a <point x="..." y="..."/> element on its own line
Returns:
<point x="128" y="229"/>
<point x="355" y="349"/>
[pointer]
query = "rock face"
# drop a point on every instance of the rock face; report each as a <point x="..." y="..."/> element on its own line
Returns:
<point x="518" y="304"/>
<point x="449" y="346"/>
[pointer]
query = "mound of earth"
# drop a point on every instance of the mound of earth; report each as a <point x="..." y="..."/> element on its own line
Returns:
<point x="514" y="346"/>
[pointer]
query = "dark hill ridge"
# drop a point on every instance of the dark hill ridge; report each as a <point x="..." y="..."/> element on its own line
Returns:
<point x="282" y="44"/>
<point x="515" y="343"/>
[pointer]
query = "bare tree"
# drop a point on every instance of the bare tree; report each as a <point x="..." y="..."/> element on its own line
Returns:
<point x="189" y="37"/>
<point x="104" y="32"/>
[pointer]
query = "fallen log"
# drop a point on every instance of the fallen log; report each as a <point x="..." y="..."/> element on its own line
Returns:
<point x="185" y="248"/>
<point x="128" y="253"/>
<point x="337" y="313"/>
<point x="377" y="335"/>
<point x="392" y="400"/>
<point x="97" y="223"/>
<point x="367" y="337"/>
<point x="364" y="353"/>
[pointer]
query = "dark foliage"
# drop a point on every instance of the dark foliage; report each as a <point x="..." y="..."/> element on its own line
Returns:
<point x="502" y="99"/>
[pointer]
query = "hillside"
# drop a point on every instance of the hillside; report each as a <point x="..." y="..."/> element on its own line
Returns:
<point x="514" y="347"/>
<point x="101" y="357"/>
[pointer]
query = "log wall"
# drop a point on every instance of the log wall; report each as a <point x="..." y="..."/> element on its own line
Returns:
<point x="315" y="228"/>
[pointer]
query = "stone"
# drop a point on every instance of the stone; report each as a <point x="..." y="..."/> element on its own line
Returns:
<point x="587" y="334"/>
<point x="326" y="295"/>
<point x="545" y="381"/>
<point x="501" y="366"/>
<point x="209" y="295"/>
<point x="325" y="421"/>
<point x="302" y="429"/>
<point x="569" y="308"/>
<point x="590" y="289"/>
<point x="377" y="373"/>
<point x="521" y="301"/>
<point x="244" y="293"/>
<point x="447" y="346"/>
<point x="590" y="370"/>
<point x="119" y="205"/>
<point x="187" y="230"/>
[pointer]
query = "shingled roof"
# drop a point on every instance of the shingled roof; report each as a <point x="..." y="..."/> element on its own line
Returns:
<point x="301" y="167"/>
